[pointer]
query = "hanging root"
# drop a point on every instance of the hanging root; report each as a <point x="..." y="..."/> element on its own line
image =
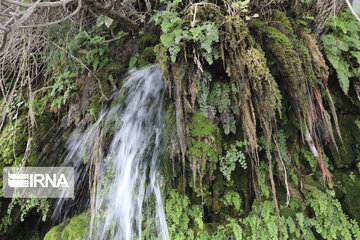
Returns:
<point x="303" y="73"/>
<point x="277" y="212"/>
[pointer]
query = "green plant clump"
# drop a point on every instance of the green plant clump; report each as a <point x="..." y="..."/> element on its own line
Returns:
<point x="233" y="155"/>
<point x="176" y="32"/>
<point x="342" y="48"/>
<point x="205" y="149"/>
<point x="218" y="99"/>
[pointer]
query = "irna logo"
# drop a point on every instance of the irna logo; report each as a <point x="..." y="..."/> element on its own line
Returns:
<point x="39" y="182"/>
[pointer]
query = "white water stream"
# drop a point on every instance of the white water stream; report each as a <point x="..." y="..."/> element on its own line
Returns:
<point x="128" y="176"/>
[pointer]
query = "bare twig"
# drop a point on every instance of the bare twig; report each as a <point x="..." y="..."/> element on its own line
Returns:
<point x="285" y="173"/>
<point x="273" y="189"/>
<point x="352" y="10"/>
<point x="42" y="4"/>
<point x="114" y="39"/>
<point x="25" y="17"/>
<point x="3" y="42"/>
<point x="58" y="21"/>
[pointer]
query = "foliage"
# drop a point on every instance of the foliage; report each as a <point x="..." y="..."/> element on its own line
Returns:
<point x="104" y="20"/>
<point x="233" y="155"/>
<point x="6" y="220"/>
<point x="176" y="33"/>
<point x="133" y="60"/>
<point x="342" y="48"/>
<point x="330" y="221"/>
<point x="232" y="199"/>
<point x="309" y="157"/>
<point x="217" y="100"/>
<point x="357" y="122"/>
<point x="84" y="51"/>
<point x="205" y="148"/>
<point x="42" y="205"/>
<point x="64" y="83"/>
<point x="181" y="217"/>
<point x="185" y="221"/>
<point x="243" y="6"/>
<point x="249" y="87"/>
<point x="306" y="21"/>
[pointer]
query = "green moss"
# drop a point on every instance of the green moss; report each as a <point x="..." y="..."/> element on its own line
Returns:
<point x="95" y="106"/>
<point x="350" y="135"/>
<point x="148" y="54"/>
<point x="145" y="54"/>
<point x="205" y="146"/>
<point x="301" y="53"/>
<point x="147" y="40"/>
<point x="351" y="192"/>
<point x="205" y="138"/>
<point x="147" y="57"/>
<point x="217" y="192"/>
<point x="13" y="139"/>
<point x="76" y="229"/>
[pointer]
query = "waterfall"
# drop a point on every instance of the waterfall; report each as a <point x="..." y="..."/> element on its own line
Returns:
<point x="128" y="185"/>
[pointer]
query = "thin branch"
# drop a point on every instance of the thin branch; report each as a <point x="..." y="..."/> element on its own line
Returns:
<point x="113" y="39"/>
<point x="27" y="14"/>
<point x="3" y="42"/>
<point x="5" y="29"/>
<point x="43" y="4"/>
<point x="352" y="10"/>
<point x="58" y="21"/>
<point x="285" y="173"/>
<point x="42" y="89"/>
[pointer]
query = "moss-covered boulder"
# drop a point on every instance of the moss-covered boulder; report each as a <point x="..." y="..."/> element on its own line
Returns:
<point x="75" y="229"/>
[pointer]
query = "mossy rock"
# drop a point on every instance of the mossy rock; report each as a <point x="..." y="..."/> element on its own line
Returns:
<point x="350" y="186"/>
<point x="13" y="139"/>
<point x="347" y="150"/>
<point x="76" y="229"/>
<point x="146" y="41"/>
<point x="313" y="187"/>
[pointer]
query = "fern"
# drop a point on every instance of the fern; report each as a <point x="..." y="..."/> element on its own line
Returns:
<point x="176" y="33"/>
<point x="233" y="155"/>
<point x="217" y="99"/>
<point x="342" y="48"/>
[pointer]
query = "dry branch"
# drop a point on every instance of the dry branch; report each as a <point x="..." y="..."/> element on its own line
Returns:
<point x="42" y="4"/>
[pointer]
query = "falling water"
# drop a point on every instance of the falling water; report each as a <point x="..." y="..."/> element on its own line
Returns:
<point x="127" y="173"/>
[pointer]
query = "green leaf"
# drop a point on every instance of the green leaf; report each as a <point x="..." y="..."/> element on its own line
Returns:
<point x="133" y="60"/>
<point x="102" y="19"/>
